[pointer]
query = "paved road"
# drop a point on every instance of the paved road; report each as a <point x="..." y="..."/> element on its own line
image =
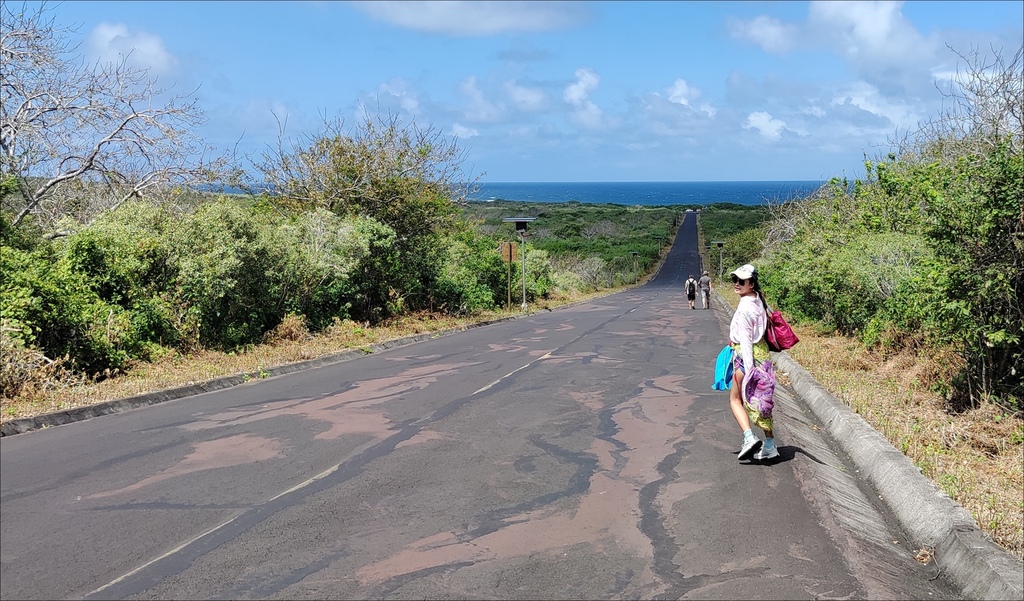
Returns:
<point x="578" y="453"/>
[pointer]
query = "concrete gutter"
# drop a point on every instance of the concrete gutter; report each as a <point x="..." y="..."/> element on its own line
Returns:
<point x="969" y="559"/>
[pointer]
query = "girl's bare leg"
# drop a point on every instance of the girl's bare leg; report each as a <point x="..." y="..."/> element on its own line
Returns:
<point x="736" y="402"/>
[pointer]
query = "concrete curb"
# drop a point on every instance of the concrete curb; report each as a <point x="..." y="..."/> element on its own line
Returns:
<point x="979" y="567"/>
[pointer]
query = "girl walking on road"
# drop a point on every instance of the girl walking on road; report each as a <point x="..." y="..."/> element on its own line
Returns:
<point x="749" y="353"/>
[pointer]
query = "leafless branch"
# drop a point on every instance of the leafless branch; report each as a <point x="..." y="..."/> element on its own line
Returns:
<point x="80" y="139"/>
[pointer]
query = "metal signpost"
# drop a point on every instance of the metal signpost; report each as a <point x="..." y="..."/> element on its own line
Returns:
<point x="521" y="223"/>
<point x="720" y="244"/>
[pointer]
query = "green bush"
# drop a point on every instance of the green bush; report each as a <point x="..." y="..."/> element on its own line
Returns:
<point x="320" y="252"/>
<point x="47" y="304"/>
<point x="469" y="279"/>
<point x="538" y="274"/>
<point x="140" y="279"/>
<point x="128" y="261"/>
<point x="241" y="270"/>
<point x="376" y="289"/>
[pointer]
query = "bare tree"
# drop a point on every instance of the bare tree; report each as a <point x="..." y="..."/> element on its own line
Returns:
<point x="79" y="139"/>
<point x="601" y="228"/>
<point x="984" y="106"/>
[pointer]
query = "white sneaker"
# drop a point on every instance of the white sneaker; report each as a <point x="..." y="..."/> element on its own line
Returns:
<point x="767" y="452"/>
<point x="749" y="447"/>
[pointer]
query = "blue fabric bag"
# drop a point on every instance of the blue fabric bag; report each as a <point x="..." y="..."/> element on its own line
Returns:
<point x="723" y="369"/>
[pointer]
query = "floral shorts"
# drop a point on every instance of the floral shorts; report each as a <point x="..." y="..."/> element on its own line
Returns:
<point x="760" y="356"/>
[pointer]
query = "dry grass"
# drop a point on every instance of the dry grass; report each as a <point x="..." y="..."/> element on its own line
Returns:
<point x="977" y="457"/>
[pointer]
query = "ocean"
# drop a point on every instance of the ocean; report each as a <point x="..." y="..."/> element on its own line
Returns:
<point x="646" y="193"/>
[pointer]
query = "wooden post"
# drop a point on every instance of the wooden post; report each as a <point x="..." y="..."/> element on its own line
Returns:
<point x="508" y="254"/>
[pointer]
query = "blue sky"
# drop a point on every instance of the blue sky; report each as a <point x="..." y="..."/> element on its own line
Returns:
<point x="568" y="91"/>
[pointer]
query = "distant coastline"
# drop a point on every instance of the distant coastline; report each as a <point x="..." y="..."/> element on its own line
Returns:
<point x="647" y="193"/>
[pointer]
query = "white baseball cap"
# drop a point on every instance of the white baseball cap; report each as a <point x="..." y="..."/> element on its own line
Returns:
<point x="746" y="272"/>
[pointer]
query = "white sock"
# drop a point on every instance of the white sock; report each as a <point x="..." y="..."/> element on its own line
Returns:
<point x="769" y="442"/>
<point x="748" y="434"/>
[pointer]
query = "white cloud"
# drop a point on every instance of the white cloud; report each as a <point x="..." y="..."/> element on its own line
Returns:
<point x="464" y="132"/>
<point x="874" y="38"/>
<point x="870" y="32"/>
<point x="867" y="98"/>
<point x="525" y="99"/>
<point x="771" y="34"/>
<point x="765" y="124"/>
<point x="478" y="18"/>
<point x="399" y="90"/>
<point x="710" y="110"/>
<point x="577" y="94"/>
<point x="480" y="109"/>
<point x="643" y="146"/>
<point x="112" y="42"/>
<point x="814" y="111"/>
<point x="680" y="92"/>
<point x="860" y="31"/>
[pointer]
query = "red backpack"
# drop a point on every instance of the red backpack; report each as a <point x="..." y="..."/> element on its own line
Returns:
<point x="778" y="334"/>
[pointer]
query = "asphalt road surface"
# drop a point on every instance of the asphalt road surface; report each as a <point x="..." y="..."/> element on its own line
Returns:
<point x="579" y="453"/>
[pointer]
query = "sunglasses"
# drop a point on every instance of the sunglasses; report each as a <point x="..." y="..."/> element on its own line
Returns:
<point x="736" y="280"/>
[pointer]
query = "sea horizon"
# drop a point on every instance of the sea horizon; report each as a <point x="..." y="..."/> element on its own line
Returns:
<point x="652" y="181"/>
<point x="651" y="193"/>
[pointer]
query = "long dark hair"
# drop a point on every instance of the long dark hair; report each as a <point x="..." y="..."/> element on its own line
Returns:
<point x="757" y="288"/>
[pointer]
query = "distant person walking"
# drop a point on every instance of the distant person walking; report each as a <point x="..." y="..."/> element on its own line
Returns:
<point x="705" y="289"/>
<point x="749" y="353"/>
<point x="691" y="290"/>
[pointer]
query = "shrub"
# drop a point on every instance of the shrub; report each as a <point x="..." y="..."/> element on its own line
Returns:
<point x="242" y="269"/>
<point x="291" y="329"/>
<point x="127" y="259"/>
<point x="47" y="304"/>
<point x="538" y="274"/>
<point x="470" y="277"/>
<point x="25" y="370"/>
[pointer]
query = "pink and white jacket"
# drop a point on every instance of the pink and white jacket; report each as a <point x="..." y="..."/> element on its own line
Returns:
<point x="747" y="328"/>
